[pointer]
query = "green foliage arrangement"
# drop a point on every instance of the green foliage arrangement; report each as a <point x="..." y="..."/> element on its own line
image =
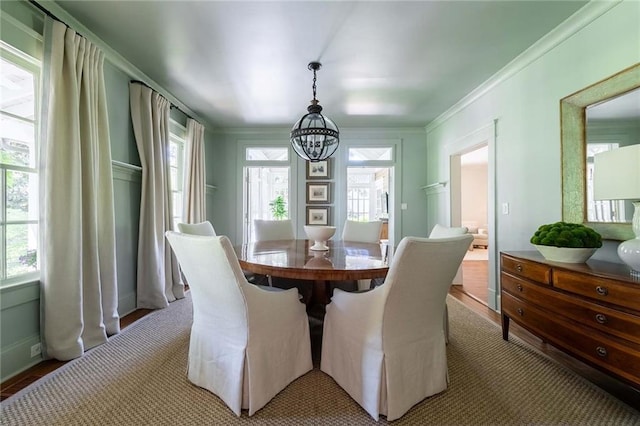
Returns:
<point x="278" y="208"/>
<point x="563" y="234"/>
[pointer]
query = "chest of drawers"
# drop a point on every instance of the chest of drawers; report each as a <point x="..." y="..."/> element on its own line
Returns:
<point x="589" y="310"/>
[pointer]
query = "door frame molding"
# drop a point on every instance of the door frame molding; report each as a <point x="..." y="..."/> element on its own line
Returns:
<point x="486" y="135"/>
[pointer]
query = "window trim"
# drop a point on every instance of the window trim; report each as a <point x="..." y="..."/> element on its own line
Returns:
<point x="34" y="66"/>
<point x="242" y="163"/>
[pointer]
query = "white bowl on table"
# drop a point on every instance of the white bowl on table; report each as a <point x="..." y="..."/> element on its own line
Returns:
<point x="319" y="234"/>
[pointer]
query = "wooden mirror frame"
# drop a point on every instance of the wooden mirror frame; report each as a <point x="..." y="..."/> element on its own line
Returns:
<point x="574" y="142"/>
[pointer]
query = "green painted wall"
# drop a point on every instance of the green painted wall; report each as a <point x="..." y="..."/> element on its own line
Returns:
<point x="526" y="107"/>
<point x="226" y="175"/>
<point x="20" y="304"/>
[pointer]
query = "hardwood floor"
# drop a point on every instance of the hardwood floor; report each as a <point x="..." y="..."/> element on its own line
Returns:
<point x="475" y="279"/>
<point x="616" y="388"/>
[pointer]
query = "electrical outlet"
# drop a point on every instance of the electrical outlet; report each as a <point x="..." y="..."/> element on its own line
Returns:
<point x="35" y="350"/>
<point x="505" y="208"/>
<point x="403" y="206"/>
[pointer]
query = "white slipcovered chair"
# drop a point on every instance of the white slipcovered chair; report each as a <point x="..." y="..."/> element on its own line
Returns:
<point x="362" y="232"/>
<point x="246" y="344"/>
<point x="202" y="228"/>
<point x="386" y="347"/>
<point x="359" y="232"/>
<point x="206" y="229"/>
<point x="440" y="231"/>
<point x="272" y="230"/>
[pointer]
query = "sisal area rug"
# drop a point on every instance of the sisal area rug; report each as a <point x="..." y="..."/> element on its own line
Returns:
<point x="139" y="378"/>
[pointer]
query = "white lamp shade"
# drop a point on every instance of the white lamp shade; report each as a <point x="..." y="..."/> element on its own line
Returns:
<point x="616" y="174"/>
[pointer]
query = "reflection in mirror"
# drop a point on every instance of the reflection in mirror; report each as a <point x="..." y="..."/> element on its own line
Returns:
<point x="575" y="165"/>
<point x="611" y="124"/>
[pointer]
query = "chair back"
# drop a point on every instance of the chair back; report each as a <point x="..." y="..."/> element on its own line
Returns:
<point x="417" y="284"/>
<point x="440" y="231"/>
<point x="362" y="232"/>
<point x="215" y="279"/>
<point x="203" y="228"/>
<point x="269" y="230"/>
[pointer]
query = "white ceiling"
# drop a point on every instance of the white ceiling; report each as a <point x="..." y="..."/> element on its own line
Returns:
<point x="385" y="63"/>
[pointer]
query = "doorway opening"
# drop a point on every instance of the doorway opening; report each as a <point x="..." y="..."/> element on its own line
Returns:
<point x="474" y="214"/>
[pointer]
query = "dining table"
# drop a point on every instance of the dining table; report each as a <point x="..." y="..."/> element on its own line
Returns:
<point x="344" y="260"/>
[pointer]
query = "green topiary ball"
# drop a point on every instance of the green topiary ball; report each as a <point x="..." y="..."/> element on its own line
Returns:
<point x="564" y="234"/>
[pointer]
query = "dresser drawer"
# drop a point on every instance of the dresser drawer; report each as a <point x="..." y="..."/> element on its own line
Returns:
<point x="610" y="321"/>
<point x="605" y="290"/>
<point x="526" y="269"/>
<point x="587" y="344"/>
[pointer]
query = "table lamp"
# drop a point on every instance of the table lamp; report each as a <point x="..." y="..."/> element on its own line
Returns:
<point x="616" y="176"/>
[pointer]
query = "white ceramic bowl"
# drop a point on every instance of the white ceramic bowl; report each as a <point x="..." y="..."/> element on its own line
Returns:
<point x="565" y="254"/>
<point x="319" y="234"/>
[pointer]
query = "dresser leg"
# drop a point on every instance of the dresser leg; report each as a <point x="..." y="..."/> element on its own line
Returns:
<point x="505" y="327"/>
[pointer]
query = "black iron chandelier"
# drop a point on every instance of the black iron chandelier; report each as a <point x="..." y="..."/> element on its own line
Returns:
<point x="315" y="137"/>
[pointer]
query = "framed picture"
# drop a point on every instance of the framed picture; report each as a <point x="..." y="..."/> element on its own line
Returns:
<point x="319" y="169"/>
<point x="318" y="193"/>
<point x="318" y="215"/>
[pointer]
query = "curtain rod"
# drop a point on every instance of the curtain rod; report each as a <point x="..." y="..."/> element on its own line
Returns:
<point x="52" y="16"/>
<point x="171" y="105"/>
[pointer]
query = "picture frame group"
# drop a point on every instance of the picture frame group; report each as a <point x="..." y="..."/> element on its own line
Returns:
<point x="319" y="169"/>
<point x="318" y="215"/>
<point x="318" y="192"/>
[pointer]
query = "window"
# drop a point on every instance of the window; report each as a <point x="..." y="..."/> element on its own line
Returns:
<point x="266" y="186"/>
<point x="19" y="211"/>
<point x="369" y="172"/>
<point x="383" y="153"/>
<point x="367" y="193"/>
<point x="177" y="135"/>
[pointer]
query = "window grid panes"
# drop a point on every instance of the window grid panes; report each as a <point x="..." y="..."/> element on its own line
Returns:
<point x="263" y="186"/>
<point x="367" y="191"/>
<point x="176" y="171"/>
<point x="19" y="212"/>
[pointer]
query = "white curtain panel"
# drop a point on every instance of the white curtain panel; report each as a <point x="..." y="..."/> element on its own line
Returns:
<point x="78" y="262"/>
<point x="158" y="273"/>
<point x="194" y="187"/>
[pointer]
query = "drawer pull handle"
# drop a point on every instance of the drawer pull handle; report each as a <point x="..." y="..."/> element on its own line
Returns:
<point x="602" y="291"/>
<point x="519" y="267"/>
<point x="520" y="311"/>
<point x="519" y="287"/>
<point x="602" y="352"/>
<point x="601" y="319"/>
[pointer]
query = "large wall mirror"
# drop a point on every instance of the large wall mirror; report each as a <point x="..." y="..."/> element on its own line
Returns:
<point x="601" y="117"/>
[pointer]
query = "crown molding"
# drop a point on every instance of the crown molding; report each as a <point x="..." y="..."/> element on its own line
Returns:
<point x="583" y="17"/>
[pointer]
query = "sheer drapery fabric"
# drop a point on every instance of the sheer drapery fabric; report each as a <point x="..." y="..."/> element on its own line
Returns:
<point x="158" y="274"/>
<point x="386" y="347"/>
<point x="194" y="201"/>
<point x="78" y="262"/>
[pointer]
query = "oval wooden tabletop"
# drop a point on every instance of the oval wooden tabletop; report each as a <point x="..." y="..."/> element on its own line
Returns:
<point x="344" y="260"/>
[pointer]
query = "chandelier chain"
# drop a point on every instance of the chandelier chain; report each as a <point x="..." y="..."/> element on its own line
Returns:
<point x="314" y="85"/>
